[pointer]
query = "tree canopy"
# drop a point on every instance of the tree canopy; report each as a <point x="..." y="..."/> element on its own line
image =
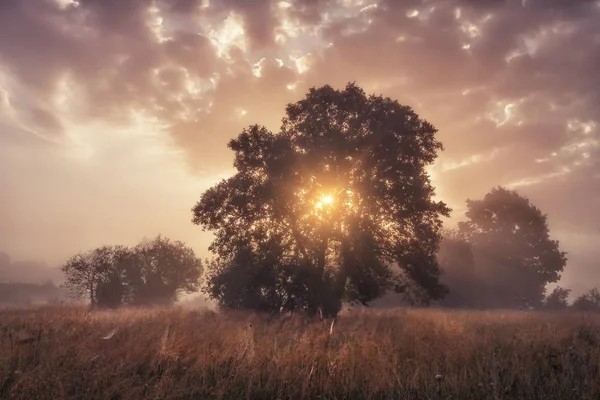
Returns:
<point x="514" y="255"/>
<point x="154" y="272"/>
<point x="588" y="301"/>
<point x="163" y="270"/>
<point x="558" y="299"/>
<point x="321" y="212"/>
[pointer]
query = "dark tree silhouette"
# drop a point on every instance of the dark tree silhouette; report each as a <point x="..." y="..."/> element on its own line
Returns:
<point x="162" y="271"/>
<point x="514" y="255"/>
<point x="154" y="272"/>
<point x="114" y="267"/>
<point x="319" y="213"/>
<point x="102" y="275"/>
<point x="557" y="299"/>
<point x="588" y="301"/>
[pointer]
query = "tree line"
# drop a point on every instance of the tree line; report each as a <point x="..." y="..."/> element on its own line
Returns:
<point x="155" y="272"/>
<point x="18" y="293"/>
<point x="337" y="208"/>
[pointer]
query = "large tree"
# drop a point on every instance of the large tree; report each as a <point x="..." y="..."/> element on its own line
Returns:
<point x="514" y="255"/>
<point x="320" y="212"/>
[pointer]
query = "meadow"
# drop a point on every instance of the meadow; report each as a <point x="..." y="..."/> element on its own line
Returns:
<point x="69" y="353"/>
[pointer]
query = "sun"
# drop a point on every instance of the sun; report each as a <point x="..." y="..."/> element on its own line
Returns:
<point x="326" y="200"/>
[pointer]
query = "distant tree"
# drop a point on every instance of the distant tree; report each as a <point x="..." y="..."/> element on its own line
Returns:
<point x="116" y="268"/>
<point x="154" y="272"/>
<point x="557" y="299"/>
<point x="514" y="254"/>
<point x="26" y="270"/>
<point x="321" y="212"/>
<point x="162" y="271"/>
<point x="99" y="275"/>
<point x="457" y="262"/>
<point x="26" y="293"/>
<point x="4" y="260"/>
<point x="81" y="277"/>
<point x="589" y="301"/>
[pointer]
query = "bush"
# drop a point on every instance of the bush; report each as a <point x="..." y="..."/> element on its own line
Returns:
<point x="589" y="301"/>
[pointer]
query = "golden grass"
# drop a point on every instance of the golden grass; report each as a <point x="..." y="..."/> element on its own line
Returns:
<point x="68" y="353"/>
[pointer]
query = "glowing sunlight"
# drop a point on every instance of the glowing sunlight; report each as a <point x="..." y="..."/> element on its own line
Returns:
<point x="326" y="200"/>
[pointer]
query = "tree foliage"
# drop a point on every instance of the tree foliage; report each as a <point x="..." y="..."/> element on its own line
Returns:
<point x="557" y="299"/>
<point x="318" y="213"/>
<point x="514" y="255"/>
<point x="163" y="270"/>
<point x="588" y="301"/>
<point x="154" y="272"/>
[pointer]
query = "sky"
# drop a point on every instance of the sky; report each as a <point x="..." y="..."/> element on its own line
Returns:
<point x="115" y="115"/>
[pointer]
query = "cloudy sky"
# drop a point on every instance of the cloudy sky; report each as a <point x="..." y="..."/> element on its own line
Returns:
<point x="114" y="114"/>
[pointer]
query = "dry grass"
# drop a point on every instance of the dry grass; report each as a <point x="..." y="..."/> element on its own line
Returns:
<point x="67" y="353"/>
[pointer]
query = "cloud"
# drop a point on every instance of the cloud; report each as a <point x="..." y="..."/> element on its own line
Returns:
<point x="107" y="53"/>
<point x="239" y="100"/>
<point x="449" y="60"/>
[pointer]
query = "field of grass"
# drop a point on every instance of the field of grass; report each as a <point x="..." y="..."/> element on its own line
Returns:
<point x="68" y="353"/>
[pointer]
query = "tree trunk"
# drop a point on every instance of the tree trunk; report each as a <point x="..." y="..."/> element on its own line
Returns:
<point x="93" y="300"/>
<point x="336" y="294"/>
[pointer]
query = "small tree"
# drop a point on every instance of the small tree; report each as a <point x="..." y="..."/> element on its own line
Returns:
<point x="162" y="271"/>
<point x="117" y="266"/>
<point x="102" y="275"/>
<point x="588" y="301"/>
<point x="80" y="279"/>
<point x="84" y="274"/>
<point x="514" y="254"/>
<point x="557" y="299"/>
